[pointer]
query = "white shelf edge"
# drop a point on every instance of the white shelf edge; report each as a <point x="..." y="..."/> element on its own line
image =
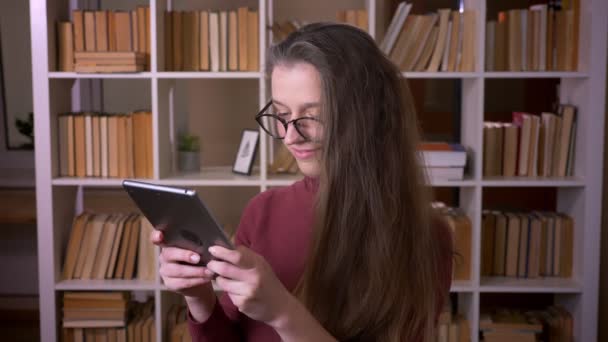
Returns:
<point x="439" y="74"/>
<point x="75" y="75"/>
<point x="459" y="286"/>
<point x="535" y="74"/>
<point x="532" y="182"/>
<point x="536" y="285"/>
<point x="207" y="75"/>
<point x="105" y="285"/>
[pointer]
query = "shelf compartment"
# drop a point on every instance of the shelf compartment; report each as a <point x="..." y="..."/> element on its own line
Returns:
<point x="207" y="75"/>
<point x="431" y="75"/>
<point x="536" y="285"/>
<point x="76" y="75"/>
<point x="105" y="285"/>
<point x="213" y="176"/>
<point x="500" y="181"/>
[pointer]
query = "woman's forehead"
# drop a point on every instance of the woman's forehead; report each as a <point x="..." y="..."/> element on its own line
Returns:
<point x="295" y="84"/>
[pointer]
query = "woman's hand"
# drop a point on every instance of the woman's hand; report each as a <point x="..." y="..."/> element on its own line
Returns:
<point x="179" y="271"/>
<point x="250" y="283"/>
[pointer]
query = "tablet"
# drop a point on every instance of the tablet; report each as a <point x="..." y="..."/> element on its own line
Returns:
<point x="184" y="219"/>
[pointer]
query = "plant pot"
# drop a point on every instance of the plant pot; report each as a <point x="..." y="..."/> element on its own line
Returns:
<point x="189" y="161"/>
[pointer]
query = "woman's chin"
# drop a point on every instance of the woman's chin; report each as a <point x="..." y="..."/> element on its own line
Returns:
<point x="310" y="168"/>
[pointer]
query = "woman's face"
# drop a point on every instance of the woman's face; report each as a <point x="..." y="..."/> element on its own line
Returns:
<point x="296" y="91"/>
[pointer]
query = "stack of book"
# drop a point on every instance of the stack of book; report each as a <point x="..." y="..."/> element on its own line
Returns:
<point x="354" y="17"/>
<point x="442" y="41"/>
<point x="136" y="322"/>
<point x="527" y="245"/>
<point x="105" y="145"/>
<point x="452" y="328"/>
<point x="542" y="38"/>
<point x="176" y="325"/>
<point x="461" y="228"/>
<point x="212" y="40"/>
<point x="283" y="162"/>
<point x="102" y="34"/>
<point x="443" y="161"/>
<point x="552" y="324"/>
<point x="110" y="246"/>
<point x="532" y="145"/>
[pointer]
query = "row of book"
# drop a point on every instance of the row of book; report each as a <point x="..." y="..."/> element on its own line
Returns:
<point x="531" y="145"/>
<point x="461" y="228"/>
<point x="176" y="324"/>
<point x="541" y="38"/>
<point x="89" y="311"/>
<point x="105" y="145"/>
<point x="527" y="245"/>
<point x="452" y="327"/>
<point x="225" y="40"/>
<point x="110" y="246"/>
<point x="551" y="324"/>
<point x="442" y="160"/>
<point x="104" y="31"/>
<point x="442" y="41"/>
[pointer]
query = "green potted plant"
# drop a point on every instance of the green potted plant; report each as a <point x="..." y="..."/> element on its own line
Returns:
<point x="189" y="153"/>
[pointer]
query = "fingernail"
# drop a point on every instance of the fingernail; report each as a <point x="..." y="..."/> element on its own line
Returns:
<point x="212" y="249"/>
<point x="194" y="258"/>
<point x="208" y="272"/>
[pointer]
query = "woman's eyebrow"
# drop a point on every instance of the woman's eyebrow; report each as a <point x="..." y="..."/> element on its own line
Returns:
<point x="303" y="106"/>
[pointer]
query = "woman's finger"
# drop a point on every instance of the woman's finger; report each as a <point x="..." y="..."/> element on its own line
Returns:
<point x="156" y="237"/>
<point x="239" y="256"/>
<point x="226" y="270"/>
<point x="174" y="254"/>
<point x="234" y="287"/>
<point x="174" y="270"/>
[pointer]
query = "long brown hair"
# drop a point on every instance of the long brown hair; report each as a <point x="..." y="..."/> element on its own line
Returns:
<point x="372" y="269"/>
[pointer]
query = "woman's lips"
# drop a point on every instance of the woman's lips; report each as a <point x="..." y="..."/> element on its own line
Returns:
<point x="303" y="153"/>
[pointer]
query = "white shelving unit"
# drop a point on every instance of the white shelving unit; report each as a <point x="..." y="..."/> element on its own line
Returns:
<point x="59" y="198"/>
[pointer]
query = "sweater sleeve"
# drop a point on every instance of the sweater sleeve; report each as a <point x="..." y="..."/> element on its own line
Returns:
<point x="224" y="324"/>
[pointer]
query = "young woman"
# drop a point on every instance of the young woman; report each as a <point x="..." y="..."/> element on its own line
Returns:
<point x="351" y="252"/>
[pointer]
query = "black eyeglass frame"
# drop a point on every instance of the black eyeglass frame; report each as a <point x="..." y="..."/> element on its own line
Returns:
<point x="260" y="116"/>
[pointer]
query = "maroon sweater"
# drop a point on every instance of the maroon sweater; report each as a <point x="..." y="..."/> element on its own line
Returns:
<point x="276" y="224"/>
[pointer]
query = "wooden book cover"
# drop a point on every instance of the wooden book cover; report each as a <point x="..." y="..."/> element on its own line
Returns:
<point x="556" y="145"/>
<point x="469" y="32"/>
<point x="119" y="222"/>
<point x="550" y="46"/>
<point x="233" y="41"/>
<point x="71" y="146"/>
<point x="65" y="46"/>
<point x="80" y="145"/>
<point x="168" y="40"/>
<point x="78" y="20"/>
<point x="121" y="334"/>
<point x="101" y="30"/>
<point x="442" y="36"/>
<point x="487" y="242"/>
<point x="142" y="29"/>
<point x="547" y="268"/>
<point x="74" y="244"/>
<point x="455" y="38"/>
<point x="124" y="32"/>
<point x="214" y="42"/>
<point x="501" y="46"/>
<point x="112" y="31"/>
<point x="96" y="304"/>
<point x="94" y="314"/>
<point x="129" y="145"/>
<point x="242" y="25"/>
<point x="88" y="132"/>
<point x="530" y="41"/>
<point x="103" y="127"/>
<point x="557" y="245"/>
<point x="135" y="35"/>
<point x="533" y="147"/>
<point x="397" y="55"/>
<point x="130" y="261"/>
<point x="490" y="138"/>
<point x="548" y="129"/>
<point x="89" y="31"/>
<point x="498" y="149"/>
<point x="462" y="246"/>
<point x="105" y="248"/>
<point x="534" y="246"/>
<point x="96" y="227"/>
<point x="512" y="244"/>
<point x="97" y="295"/>
<point x="430" y="43"/>
<point x="362" y="20"/>
<point x="96" y="141"/>
<point x="490" y="45"/>
<point x="223" y="29"/>
<point x="122" y="147"/>
<point x="186" y="44"/>
<point x="500" y="244"/>
<point x="146" y="257"/>
<point x="124" y="246"/>
<point x="177" y="40"/>
<point x="351" y="17"/>
<point x="524" y="122"/>
<point x="113" y="145"/>
<point x="510" y="148"/>
<point x="419" y="35"/>
<point x="568" y="115"/>
<point x="111" y="334"/>
<point x="204" y="41"/>
<point x="524" y="240"/>
<point x="514" y="40"/>
<point x="109" y="68"/>
<point x="149" y="145"/>
<point x="138" y="142"/>
<point x="195" y="40"/>
<point x="148" y="36"/>
<point x="63" y="144"/>
<point x="253" y="41"/>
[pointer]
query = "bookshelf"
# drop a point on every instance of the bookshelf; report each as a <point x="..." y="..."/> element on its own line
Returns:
<point x="59" y="198"/>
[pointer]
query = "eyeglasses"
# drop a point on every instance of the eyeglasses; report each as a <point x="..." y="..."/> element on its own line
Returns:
<point x="309" y="128"/>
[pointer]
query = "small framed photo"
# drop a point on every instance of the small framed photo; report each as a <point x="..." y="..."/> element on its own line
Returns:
<point x="247" y="151"/>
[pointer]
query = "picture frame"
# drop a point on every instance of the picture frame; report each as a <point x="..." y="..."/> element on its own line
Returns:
<point x="246" y="152"/>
